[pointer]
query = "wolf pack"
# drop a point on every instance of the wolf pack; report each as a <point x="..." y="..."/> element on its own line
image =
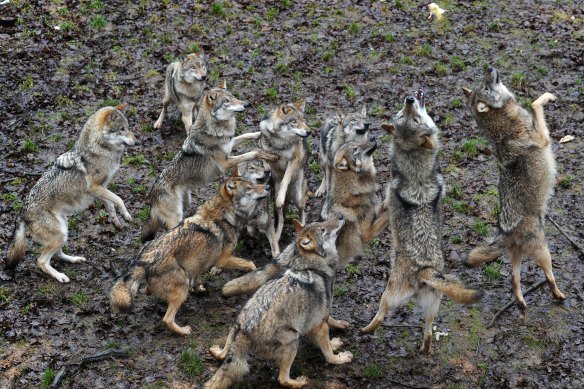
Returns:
<point x="291" y="296"/>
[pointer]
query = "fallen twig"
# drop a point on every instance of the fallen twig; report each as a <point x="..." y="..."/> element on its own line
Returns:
<point x="512" y="302"/>
<point x="566" y="235"/>
<point x="72" y="369"/>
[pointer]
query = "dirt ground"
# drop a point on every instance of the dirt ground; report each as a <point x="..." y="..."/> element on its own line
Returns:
<point x="339" y="55"/>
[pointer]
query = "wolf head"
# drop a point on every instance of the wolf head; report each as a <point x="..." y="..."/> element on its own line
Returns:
<point x="245" y="195"/>
<point x="287" y="121"/>
<point x="490" y="95"/>
<point x="108" y="128"/>
<point x="194" y="68"/>
<point x="356" y="157"/>
<point x="221" y="104"/>
<point x="354" y="125"/>
<point x="412" y="127"/>
<point x="255" y="171"/>
<point x="319" y="238"/>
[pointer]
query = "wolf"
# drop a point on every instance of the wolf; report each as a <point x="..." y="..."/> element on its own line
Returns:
<point x="205" y="153"/>
<point x="184" y="85"/>
<point x="284" y="309"/>
<point x="337" y="131"/>
<point x="353" y="194"/>
<point x="75" y="180"/>
<point x="172" y="263"/>
<point x="262" y="220"/>
<point x="526" y="178"/>
<point x="284" y="132"/>
<point x="414" y="201"/>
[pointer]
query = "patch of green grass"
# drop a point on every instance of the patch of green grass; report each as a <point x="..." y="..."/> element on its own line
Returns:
<point x="354" y="27"/>
<point x="475" y="325"/>
<point x="5" y="294"/>
<point x="190" y="364"/>
<point x="518" y="80"/>
<point x="272" y="94"/>
<point x="47" y="377"/>
<point x="291" y="214"/>
<point x="218" y="9"/>
<point x="143" y="214"/>
<point x="169" y="57"/>
<point x="566" y="182"/>
<point x="481" y="229"/>
<point x="67" y="26"/>
<point x="482" y="366"/>
<point x="18" y="181"/>
<point x="138" y="188"/>
<point x="287" y="3"/>
<point x="406" y="60"/>
<point x="147" y="127"/>
<point x="27" y="83"/>
<point x="12" y="198"/>
<point x="496" y="209"/>
<point x="271" y="14"/>
<point x="194" y="48"/>
<point x="448" y="119"/>
<point x="352" y="268"/>
<point x="72" y="223"/>
<point x="493" y="270"/>
<point x="350" y="92"/>
<point x="471" y="146"/>
<point x="533" y="342"/>
<point x="542" y="70"/>
<point x="424" y="51"/>
<point x="410" y="305"/>
<point x="456" y="191"/>
<point x="440" y="68"/>
<point x="457" y="64"/>
<point x="314" y="167"/>
<point x="134" y="160"/>
<point x="372" y="370"/>
<point x="109" y="103"/>
<point x="112" y="344"/>
<point x="457" y="239"/>
<point x="98" y="22"/>
<point x="461" y="207"/>
<point x="79" y="299"/>
<point x="340" y="290"/>
<point x="25" y="309"/>
<point x="389" y="37"/>
<point x="47" y="290"/>
<point x="29" y="146"/>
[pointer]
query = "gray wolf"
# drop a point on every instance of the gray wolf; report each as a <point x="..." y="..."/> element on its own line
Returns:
<point x="205" y="154"/>
<point x="284" y="309"/>
<point x="75" y="180"/>
<point x="337" y="131"/>
<point x="526" y="178"/>
<point x="172" y="263"/>
<point x="184" y="85"/>
<point x="283" y="133"/>
<point x="262" y="220"/>
<point x="414" y="201"/>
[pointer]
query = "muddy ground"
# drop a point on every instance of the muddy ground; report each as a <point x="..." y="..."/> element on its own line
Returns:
<point x="339" y="55"/>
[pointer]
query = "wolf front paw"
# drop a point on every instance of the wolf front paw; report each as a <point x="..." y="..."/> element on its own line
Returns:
<point x="344" y="357"/>
<point x="217" y="352"/>
<point x="62" y="278"/>
<point x="297" y="383"/>
<point x="158" y="124"/>
<point x="336" y="343"/>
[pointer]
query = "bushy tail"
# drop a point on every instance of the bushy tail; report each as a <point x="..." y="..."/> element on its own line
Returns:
<point x="235" y="366"/>
<point x="125" y="289"/>
<point x="456" y="291"/>
<point x="484" y="254"/>
<point x="152" y="226"/>
<point x="250" y="282"/>
<point x="17" y="248"/>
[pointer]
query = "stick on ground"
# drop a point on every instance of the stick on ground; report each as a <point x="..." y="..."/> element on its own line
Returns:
<point x="512" y="302"/>
<point x="566" y="235"/>
<point x="72" y="369"/>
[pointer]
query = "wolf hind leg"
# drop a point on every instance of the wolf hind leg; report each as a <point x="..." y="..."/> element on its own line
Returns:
<point x="70" y="258"/>
<point x="220" y="353"/>
<point x="287" y="354"/>
<point x="516" y="258"/>
<point x="174" y="288"/>
<point x="165" y="102"/>
<point x="394" y="295"/>
<point x="44" y="261"/>
<point x="539" y="117"/>
<point x="429" y="299"/>
<point x="320" y="336"/>
<point x="543" y="259"/>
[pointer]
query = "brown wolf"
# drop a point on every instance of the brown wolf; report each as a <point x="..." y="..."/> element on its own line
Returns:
<point x="76" y="179"/>
<point x="284" y="309"/>
<point x="414" y="202"/>
<point x="174" y="261"/>
<point x="526" y="178"/>
<point x="205" y="154"/>
<point x="184" y="85"/>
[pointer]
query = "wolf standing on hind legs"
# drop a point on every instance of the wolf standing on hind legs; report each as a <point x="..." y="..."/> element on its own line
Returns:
<point x="414" y="200"/>
<point x="74" y="181"/>
<point x="526" y="178"/>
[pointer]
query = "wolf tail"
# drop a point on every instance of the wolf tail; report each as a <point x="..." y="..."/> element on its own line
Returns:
<point x="17" y="248"/>
<point x="125" y="289"/>
<point x="484" y="254"/>
<point x="456" y="291"/>
<point x="250" y="282"/>
<point x="152" y="226"/>
<point x="234" y="367"/>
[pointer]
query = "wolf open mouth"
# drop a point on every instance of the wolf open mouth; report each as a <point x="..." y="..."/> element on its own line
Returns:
<point x="419" y="95"/>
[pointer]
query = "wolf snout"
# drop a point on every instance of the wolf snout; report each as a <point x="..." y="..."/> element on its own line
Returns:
<point x="246" y="104"/>
<point x="410" y="100"/>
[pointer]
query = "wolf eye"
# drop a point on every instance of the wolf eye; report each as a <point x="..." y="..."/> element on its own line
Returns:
<point x="293" y="121"/>
<point x="226" y="102"/>
<point x="416" y="121"/>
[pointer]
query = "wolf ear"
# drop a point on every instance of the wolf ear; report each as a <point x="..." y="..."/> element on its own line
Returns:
<point x="388" y="127"/>
<point x="300" y="104"/>
<point x="236" y="172"/>
<point x="222" y="84"/>
<point x="482" y="107"/>
<point x="364" y="110"/>
<point x="297" y="225"/>
<point x="342" y="164"/>
<point x="122" y="107"/>
<point x="230" y="186"/>
<point x="426" y="142"/>
<point x="467" y="92"/>
<point x="210" y="97"/>
<point x="284" y="108"/>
